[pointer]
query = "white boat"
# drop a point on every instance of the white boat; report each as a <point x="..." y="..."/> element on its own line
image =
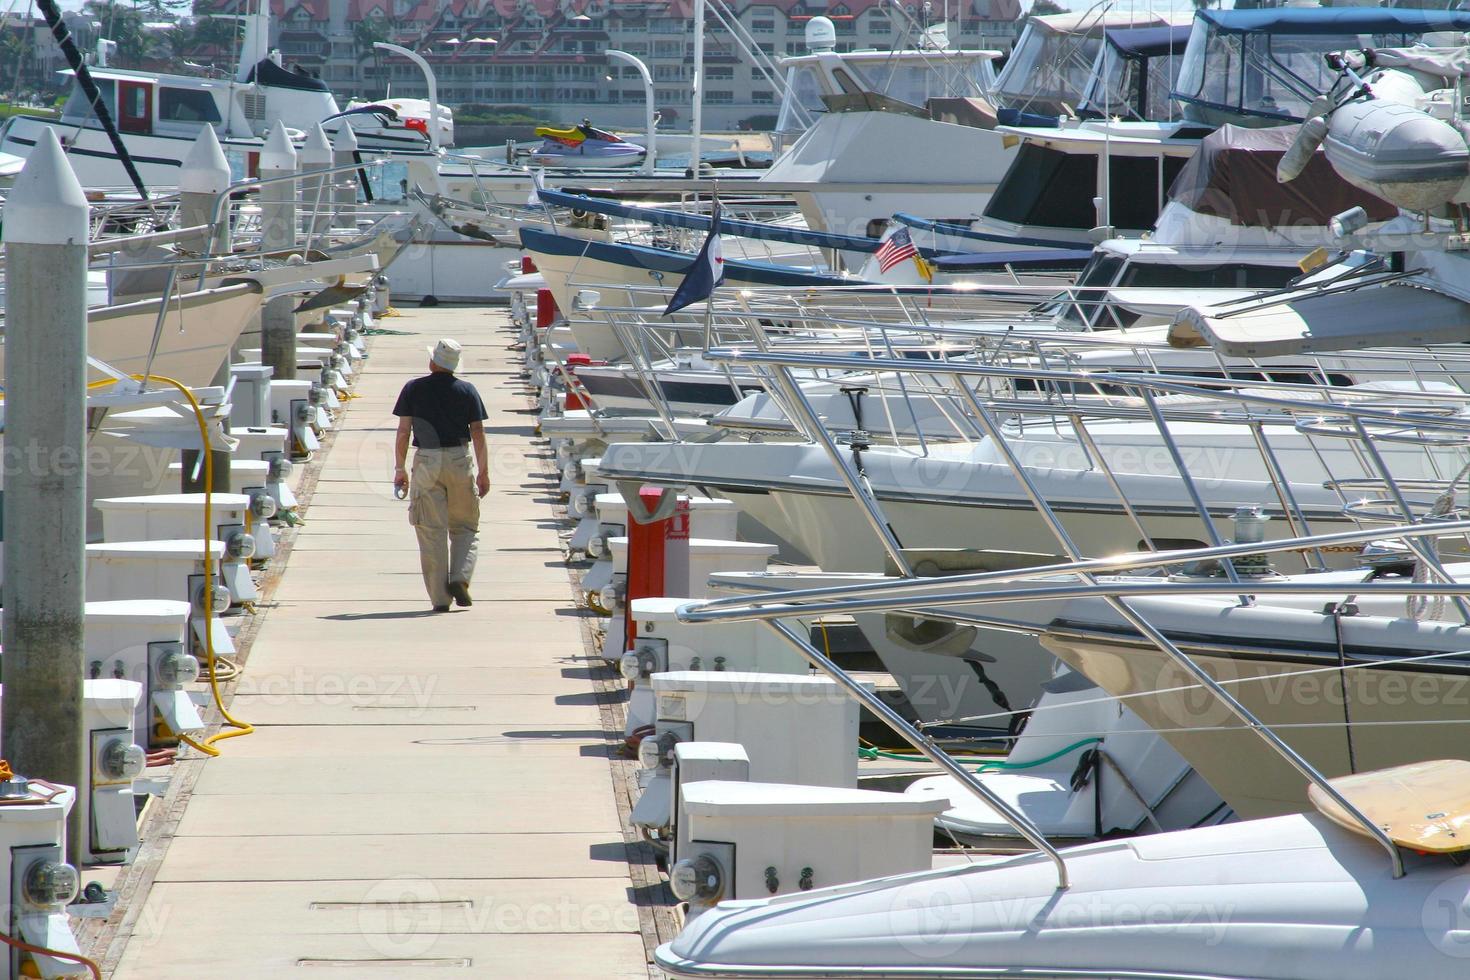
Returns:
<point x="1290" y="898"/>
<point x="159" y="115"/>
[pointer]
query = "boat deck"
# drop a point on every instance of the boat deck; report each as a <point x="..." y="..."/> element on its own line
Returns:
<point x="422" y="790"/>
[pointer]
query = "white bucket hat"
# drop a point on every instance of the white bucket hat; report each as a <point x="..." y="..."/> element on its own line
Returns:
<point x="445" y="354"/>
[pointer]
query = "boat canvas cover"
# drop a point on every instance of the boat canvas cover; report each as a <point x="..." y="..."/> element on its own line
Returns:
<point x="1148" y="42"/>
<point x="1444" y="62"/>
<point x="1335" y="20"/>
<point x="266" y="72"/>
<point x="1393" y="315"/>
<point x="1233" y="176"/>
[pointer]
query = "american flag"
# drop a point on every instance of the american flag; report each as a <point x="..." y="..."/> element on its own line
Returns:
<point x="898" y="247"/>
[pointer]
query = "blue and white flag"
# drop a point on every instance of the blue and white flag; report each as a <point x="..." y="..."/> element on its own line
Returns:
<point x="706" y="271"/>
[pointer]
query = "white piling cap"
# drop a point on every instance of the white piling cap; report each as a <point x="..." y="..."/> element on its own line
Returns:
<point x="346" y="140"/>
<point x="205" y="169"/>
<point x="46" y="205"/>
<point x="317" y="150"/>
<point x="278" y="154"/>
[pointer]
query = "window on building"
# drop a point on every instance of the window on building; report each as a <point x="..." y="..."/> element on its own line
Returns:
<point x="717" y="96"/>
<point x="719" y="73"/>
<point x="668" y="49"/>
<point x="761" y="98"/>
<point x="763" y="27"/>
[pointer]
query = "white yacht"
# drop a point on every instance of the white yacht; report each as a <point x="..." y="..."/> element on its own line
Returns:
<point x="159" y="115"/>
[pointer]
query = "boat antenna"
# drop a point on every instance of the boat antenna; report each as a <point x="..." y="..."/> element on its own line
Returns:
<point x="68" y="47"/>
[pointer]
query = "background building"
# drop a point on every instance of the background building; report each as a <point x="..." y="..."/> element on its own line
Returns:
<point x="545" y="58"/>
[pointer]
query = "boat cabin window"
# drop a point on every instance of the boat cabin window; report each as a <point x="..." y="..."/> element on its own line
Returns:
<point x="1132" y="87"/>
<point x="1054" y="189"/>
<point x="1047" y="69"/>
<point x="803" y="102"/>
<point x="937" y="77"/>
<point x="187" y="105"/>
<point x="77" y="107"/>
<point x="1102" y="270"/>
<point x="1226" y="276"/>
<point x="1262" y="74"/>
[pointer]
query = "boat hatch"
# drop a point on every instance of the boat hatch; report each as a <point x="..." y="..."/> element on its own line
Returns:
<point x="134" y="106"/>
<point x="1422" y="805"/>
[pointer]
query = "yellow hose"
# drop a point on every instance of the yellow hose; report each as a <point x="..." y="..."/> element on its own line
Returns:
<point x="238" y="727"/>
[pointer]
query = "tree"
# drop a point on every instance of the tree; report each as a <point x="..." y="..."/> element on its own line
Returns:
<point x="15" y="49"/>
<point x="1041" y="8"/>
<point x="124" y="26"/>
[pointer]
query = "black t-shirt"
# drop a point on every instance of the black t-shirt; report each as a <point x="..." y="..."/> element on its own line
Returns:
<point x="442" y="408"/>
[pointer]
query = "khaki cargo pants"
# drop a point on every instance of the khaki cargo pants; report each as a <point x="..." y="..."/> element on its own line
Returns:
<point x="444" y="510"/>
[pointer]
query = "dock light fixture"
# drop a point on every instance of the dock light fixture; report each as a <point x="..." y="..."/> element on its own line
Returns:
<point x="278" y="470"/>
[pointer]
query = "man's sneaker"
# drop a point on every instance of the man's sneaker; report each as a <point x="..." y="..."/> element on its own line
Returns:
<point x="441" y="609"/>
<point x="461" y="593"/>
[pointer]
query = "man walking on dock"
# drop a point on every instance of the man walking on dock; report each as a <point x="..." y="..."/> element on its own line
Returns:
<point x="443" y="415"/>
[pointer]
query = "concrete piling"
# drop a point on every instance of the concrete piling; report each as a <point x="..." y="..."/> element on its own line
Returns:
<point x="316" y="191"/>
<point x="45" y="520"/>
<point x="344" y="151"/>
<point x="204" y="176"/>
<point x="278" y="228"/>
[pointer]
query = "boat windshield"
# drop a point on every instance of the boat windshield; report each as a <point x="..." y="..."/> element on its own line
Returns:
<point x="1134" y="75"/>
<point x="77" y="108"/>
<point x="803" y="101"/>
<point x="1259" y="67"/>
<point x="1047" y="68"/>
<point x="912" y="77"/>
<point x="1103" y="269"/>
<point x="937" y="76"/>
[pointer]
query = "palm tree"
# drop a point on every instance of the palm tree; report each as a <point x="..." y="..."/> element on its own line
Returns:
<point x="123" y="25"/>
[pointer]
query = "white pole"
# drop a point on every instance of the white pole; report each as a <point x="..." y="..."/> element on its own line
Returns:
<point x="650" y="138"/>
<point x="204" y="176"/>
<point x="278" y="234"/>
<point x="316" y="191"/>
<point x="433" y="87"/>
<point x="697" y="89"/>
<point x="45" y="522"/>
<point x="344" y="151"/>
